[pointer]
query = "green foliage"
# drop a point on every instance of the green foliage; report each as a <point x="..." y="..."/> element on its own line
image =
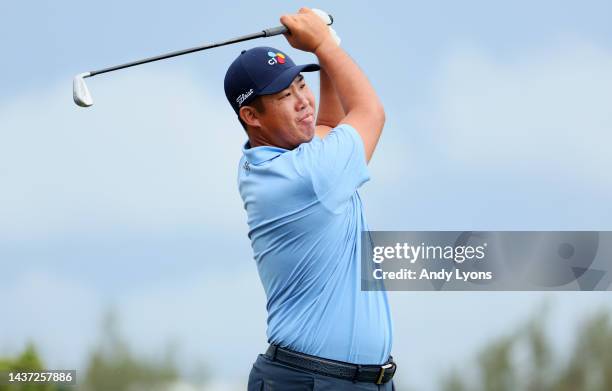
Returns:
<point x="453" y="382"/>
<point x="112" y="366"/>
<point x="525" y="361"/>
<point x="26" y="362"/>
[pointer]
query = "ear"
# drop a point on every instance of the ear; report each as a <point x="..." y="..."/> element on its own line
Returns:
<point x="250" y="116"/>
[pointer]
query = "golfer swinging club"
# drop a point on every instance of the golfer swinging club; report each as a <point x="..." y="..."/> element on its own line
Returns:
<point x="298" y="178"/>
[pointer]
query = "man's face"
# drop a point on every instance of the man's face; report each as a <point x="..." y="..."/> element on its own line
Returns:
<point x="289" y="117"/>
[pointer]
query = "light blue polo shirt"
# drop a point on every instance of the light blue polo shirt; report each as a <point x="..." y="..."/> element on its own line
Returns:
<point x="305" y="220"/>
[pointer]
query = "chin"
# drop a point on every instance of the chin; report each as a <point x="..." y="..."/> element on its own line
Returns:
<point x="304" y="134"/>
<point x="310" y="132"/>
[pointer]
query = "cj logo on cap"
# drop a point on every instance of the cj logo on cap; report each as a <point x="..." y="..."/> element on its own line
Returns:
<point x="276" y="58"/>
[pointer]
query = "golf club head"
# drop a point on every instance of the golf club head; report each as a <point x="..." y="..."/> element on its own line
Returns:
<point x="80" y="92"/>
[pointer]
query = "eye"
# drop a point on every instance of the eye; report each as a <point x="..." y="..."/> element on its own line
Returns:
<point x="286" y="95"/>
<point x="302" y="86"/>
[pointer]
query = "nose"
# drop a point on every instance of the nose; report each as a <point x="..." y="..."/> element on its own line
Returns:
<point x="302" y="101"/>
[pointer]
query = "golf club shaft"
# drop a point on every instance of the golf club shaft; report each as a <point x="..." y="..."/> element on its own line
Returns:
<point x="265" y="33"/>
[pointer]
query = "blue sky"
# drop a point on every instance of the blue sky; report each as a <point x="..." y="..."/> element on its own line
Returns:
<point x="497" y="118"/>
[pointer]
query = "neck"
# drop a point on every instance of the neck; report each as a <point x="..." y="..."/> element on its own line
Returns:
<point x="258" y="141"/>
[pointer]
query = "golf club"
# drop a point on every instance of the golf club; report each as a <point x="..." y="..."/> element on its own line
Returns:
<point x="82" y="97"/>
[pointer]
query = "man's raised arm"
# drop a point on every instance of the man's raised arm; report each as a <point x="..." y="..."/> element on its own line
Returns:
<point x="331" y="111"/>
<point x="363" y="108"/>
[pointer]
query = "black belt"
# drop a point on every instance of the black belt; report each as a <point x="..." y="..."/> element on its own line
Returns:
<point x="378" y="374"/>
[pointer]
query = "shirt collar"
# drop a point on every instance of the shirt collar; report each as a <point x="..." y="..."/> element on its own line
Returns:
<point x="258" y="155"/>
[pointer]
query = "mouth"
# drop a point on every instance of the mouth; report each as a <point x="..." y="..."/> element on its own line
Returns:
<point x="307" y="118"/>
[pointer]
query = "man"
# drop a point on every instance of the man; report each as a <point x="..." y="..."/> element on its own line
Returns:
<point x="298" y="179"/>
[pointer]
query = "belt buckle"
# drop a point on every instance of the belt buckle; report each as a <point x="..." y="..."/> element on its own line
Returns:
<point x="381" y="374"/>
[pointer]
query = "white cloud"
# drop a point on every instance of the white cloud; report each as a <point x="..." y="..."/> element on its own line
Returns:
<point x="214" y="319"/>
<point x="546" y="109"/>
<point x="155" y="149"/>
<point x="59" y="314"/>
<point x="218" y="317"/>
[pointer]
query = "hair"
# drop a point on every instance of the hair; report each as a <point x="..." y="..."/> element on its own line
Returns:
<point x="258" y="105"/>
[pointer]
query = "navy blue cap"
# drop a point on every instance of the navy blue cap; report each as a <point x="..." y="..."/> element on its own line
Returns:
<point x="260" y="71"/>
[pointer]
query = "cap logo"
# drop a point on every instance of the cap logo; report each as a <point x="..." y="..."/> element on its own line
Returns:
<point x="276" y="58"/>
<point x="242" y="97"/>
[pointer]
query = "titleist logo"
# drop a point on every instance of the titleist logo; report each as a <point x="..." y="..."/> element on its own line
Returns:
<point x="242" y="97"/>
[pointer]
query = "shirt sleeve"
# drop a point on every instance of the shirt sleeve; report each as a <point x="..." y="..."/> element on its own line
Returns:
<point x="335" y="165"/>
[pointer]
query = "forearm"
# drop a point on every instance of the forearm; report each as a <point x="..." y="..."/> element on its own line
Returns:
<point x="330" y="108"/>
<point x="352" y="87"/>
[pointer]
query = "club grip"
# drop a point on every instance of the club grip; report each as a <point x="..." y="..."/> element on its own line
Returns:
<point x="275" y="31"/>
<point x="282" y="29"/>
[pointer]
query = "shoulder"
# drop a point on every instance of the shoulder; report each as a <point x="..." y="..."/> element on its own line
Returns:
<point x="342" y="137"/>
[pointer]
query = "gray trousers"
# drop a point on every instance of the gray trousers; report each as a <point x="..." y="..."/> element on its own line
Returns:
<point x="268" y="375"/>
